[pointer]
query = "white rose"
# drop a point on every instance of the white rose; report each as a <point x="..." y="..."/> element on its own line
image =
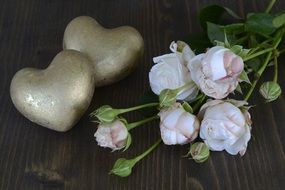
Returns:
<point x="178" y="126"/>
<point x="216" y="71"/>
<point x="170" y="72"/>
<point x="224" y="126"/>
<point x="112" y="135"/>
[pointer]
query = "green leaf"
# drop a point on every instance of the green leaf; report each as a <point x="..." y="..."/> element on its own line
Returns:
<point x="213" y="13"/>
<point x="148" y="97"/>
<point x="235" y="28"/>
<point x="215" y="32"/>
<point x="198" y="42"/>
<point x="260" y="23"/>
<point x="219" y="43"/>
<point x="238" y="50"/>
<point x="244" y="78"/>
<point x="128" y="142"/>
<point x="279" y="20"/>
<point x="187" y="107"/>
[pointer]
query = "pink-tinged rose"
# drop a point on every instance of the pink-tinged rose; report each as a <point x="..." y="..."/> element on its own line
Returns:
<point x="178" y="126"/>
<point x="216" y="72"/>
<point x="225" y="126"/>
<point x="112" y="135"/>
<point x="171" y="72"/>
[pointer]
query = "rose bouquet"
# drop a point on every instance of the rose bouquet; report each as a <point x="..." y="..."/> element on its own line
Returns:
<point x="202" y="88"/>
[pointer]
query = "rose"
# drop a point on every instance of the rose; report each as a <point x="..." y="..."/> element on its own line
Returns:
<point x="216" y="71"/>
<point x="170" y="72"/>
<point x="178" y="126"/>
<point x="112" y="135"/>
<point x="225" y="126"/>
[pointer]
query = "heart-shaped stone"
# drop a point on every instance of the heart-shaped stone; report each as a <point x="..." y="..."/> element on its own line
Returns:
<point x="114" y="52"/>
<point x="57" y="96"/>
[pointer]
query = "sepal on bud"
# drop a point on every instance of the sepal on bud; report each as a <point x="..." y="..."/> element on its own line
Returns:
<point x="199" y="151"/>
<point x="167" y="98"/>
<point x="105" y="114"/>
<point x="187" y="107"/>
<point x="270" y="91"/>
<point x="128" y="142"/>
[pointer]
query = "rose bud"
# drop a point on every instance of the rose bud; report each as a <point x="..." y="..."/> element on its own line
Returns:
<point x="199" y="152"/>
<point x="105" y="114"/>
<point x="112" y="135"/>
<point x="225" y="125"/>
<point x="170" y="72"/>
<point x="216" y="72"/>
<point x="270" y="90"/>
<point x="178" y="126"/>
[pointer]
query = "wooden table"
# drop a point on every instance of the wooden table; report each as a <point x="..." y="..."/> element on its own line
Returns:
<point x="35" y="158"/>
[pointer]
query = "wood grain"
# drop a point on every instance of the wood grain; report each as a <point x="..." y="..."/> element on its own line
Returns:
<point x="35" y="158"/>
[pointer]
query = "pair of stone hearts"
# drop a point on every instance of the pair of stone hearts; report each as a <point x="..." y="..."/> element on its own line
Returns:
<point x="57" y="96"/>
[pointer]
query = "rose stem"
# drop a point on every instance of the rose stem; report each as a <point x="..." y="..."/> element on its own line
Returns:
<point x="198" y="104"/>
<point x="258" y="54"/>
<point x="138" y="158"/>
<point x="275" y="69"/>
<point x="269" y="7"/>
<point x="181" y="88"/>
<point x="138" y="123"/>
<point x="137" y="107"/>
<point x="264" y="65"/>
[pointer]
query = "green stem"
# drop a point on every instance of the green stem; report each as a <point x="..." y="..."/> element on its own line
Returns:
<point x="278" y="38"/>
<point x="182" y="88"/>
<point x="137" y="107"/>
<point x="258" y="54"/>
<point x="275" y="70"/>
<point x="138" y="158"/>
<point x="199" y="97"/>
<point x="263" y="67"/>
<point x="255" y="82"/>
<point x="269" y="7"/>
<point x="262" y="45"/>
<point x="138" y="123"/>
<point x="199" y="103"/>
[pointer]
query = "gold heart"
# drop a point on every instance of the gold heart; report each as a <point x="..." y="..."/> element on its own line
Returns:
<point x="57" y="96"/>
<point x="114" y="52"/>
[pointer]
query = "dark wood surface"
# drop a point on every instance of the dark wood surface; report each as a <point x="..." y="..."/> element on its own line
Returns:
<point x="35" y="158"/>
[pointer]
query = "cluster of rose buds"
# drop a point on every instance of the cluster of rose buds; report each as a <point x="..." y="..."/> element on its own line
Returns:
<point x="222" y="124"/>
<point x="181" y="78"/>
